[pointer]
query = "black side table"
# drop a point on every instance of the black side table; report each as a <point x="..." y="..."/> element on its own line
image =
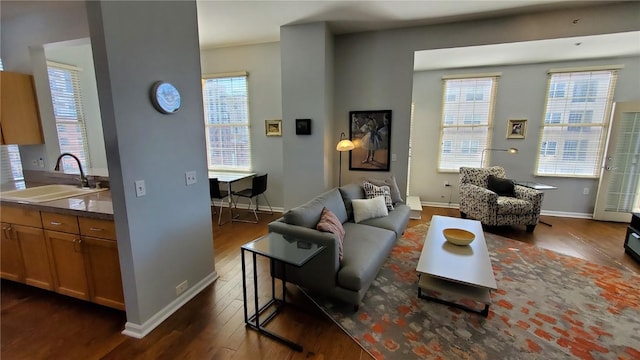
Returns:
<point x="275" y="247"/>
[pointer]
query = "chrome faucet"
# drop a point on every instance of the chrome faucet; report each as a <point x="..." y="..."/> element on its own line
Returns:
<point x="84" y="182"/>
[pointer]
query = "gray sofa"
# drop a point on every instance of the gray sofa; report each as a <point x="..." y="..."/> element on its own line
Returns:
<point x="366" y="244"/>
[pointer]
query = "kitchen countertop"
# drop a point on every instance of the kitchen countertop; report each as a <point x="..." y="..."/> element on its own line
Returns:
<point x="96" y="205"/>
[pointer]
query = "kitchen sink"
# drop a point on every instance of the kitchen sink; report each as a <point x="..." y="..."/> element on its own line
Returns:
<point x="47" y="193"/>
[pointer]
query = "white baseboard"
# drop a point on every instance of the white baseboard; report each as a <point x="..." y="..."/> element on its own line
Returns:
<point x="543" y="212"/>
<point x="139" y="331"/>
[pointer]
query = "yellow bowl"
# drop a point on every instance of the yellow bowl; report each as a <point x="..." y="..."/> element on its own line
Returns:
<point x="458" y="236"/>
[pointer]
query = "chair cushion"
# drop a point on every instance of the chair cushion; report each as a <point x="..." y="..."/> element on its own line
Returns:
<point x="364" y="209"/>
<point x="330" y="223"/>
<point x="371" y="191"/>
<point x="500" y="186"/>
<point x="512" y="206"/>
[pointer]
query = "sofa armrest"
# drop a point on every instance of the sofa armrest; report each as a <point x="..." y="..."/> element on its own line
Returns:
<point x="478" y="195"/>
<point x="529" y="194"/>
<point x="320" y="271"/>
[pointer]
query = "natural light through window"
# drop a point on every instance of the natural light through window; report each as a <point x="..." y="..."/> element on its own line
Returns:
<point x="467" y="116"/>
<point x="576" y="115"/>
<point x="226" y="119"/>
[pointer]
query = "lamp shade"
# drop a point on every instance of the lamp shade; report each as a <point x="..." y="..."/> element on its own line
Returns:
<point x="344" y="144"/>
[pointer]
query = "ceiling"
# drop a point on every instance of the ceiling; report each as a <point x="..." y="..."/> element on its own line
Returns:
<point x="232" y="23"/>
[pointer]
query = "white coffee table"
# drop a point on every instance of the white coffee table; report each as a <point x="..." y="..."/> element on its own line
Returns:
<point x="461" y="272"/>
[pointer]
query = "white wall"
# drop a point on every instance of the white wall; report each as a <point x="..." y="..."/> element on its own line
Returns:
<point x="262" y="62"/>
<point x="521" y="95"/>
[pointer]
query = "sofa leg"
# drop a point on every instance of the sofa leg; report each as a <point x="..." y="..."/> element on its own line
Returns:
<point x="463" y="215"/>
<point x="530" y="228"/>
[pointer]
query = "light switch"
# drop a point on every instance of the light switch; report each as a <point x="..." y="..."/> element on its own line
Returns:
<point x="394" y="157"/>
<point x="190" y="177"/>
<point x="141" y="189"/>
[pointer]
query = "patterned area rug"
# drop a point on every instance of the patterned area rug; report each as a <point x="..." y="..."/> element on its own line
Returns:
<point x="547" y="306"/>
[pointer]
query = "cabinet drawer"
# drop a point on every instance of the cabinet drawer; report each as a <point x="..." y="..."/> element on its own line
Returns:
<point x="60" y="222"/>
<point x="20" y="216"/>
<point x="99" y="228"/>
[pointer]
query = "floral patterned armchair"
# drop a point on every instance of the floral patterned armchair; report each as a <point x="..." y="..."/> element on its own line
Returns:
<point x="480" y="203"/>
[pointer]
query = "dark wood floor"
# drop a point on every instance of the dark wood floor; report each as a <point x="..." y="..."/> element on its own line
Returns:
<point x="37" y="324"/>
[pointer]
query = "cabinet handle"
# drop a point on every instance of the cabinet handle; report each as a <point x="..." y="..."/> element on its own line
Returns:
<point x="95" y="229"/>
<point x="55" y="223"/>
<point x="7" y="231"/>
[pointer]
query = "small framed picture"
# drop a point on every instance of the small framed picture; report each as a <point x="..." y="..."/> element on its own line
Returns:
<point x="273" y="127"/>
<point x="517" y="129"/>
<point x="303" y="126"/>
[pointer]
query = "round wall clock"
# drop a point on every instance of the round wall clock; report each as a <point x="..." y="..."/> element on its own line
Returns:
<point x="165" y="97"/>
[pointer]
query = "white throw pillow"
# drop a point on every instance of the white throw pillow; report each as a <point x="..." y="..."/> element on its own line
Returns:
<point x="364" y="209"/>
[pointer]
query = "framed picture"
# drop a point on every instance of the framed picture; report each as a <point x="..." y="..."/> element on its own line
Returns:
<point x="303" y="126"/>
<point x="517" y="129"/>
<point x="273" y="127"/>
<point x="370" y="132"/>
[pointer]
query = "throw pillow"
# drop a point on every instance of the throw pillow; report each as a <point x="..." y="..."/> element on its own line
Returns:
<point x="393" y="187"/>
<point x="500" y="186"/>
<point x="329" y="223"/>
<point x="364" y="209"/>
<point x="371" y="191"/>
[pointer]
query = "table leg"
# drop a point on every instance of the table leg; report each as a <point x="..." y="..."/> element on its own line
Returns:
<point x="244" y="286"/>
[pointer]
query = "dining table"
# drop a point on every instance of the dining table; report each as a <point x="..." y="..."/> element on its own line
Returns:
<point x="229" y="178"/>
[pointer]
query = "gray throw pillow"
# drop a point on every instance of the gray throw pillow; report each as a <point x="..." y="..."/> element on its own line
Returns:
<point x="393" y="187"/>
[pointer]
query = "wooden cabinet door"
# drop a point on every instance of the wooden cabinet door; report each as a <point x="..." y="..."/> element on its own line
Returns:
<point x="67" y="264"/>
<point x="19" y="116"/>
<point x="103" y="272"/>
<point x="35" y="258"/>
<point x="10" y="256"/>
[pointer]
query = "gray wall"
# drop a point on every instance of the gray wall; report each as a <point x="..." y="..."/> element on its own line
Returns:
<point x="164" y="237"/>
<point x="375" y="70"/>
<point x="306" y="94"/>
<point x="520" y="95"/>
<point x="262" y="62"/>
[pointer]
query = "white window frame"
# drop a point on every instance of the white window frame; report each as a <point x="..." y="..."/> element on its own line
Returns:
<point x="241" y="124"/>
<point x="462" y="141"/>
<point x="65" y="117"/>
<point x="580" y="135"/>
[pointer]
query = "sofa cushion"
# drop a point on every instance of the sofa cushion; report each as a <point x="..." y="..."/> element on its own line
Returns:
<point x="330" y="223"/>
<point x="350" y="192"/>
<point x="393" y="187"/>
<point x="308" y="214"/>
<point x="500" y="186"/>
<point x="364" y="209"/>
<point x="365" y="250"/>
<point x="513" y="206"/>
<point x="396" y="221"/>
<point x="371" y="191"/>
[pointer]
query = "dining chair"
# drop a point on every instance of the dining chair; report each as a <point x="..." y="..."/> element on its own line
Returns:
<point x="258" y="187"/>
<point x="217" y="194"/>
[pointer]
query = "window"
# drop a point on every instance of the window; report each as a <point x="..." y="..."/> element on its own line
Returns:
<point x="467" y="115"/>
<point x="573" y="133"/>
<point x="557" y="90"/>
<point x="226" y="119"/>
<point x="64" y="81"/>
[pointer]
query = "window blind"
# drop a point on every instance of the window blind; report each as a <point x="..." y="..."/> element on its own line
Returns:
<point x="66" y="96"/>
<point x="226" y="112"/>
<point x="467" y="117"/>
<point x="576" y="116"/>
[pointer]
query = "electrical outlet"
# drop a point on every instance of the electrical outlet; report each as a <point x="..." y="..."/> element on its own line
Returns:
<point x="446" y="183"/>
<point x="585" y="191"/>
<point x="182" y="287"/>
<point x="190" y="177"/>
<point x="141" y="189"/>
<point x="41" y="162"/>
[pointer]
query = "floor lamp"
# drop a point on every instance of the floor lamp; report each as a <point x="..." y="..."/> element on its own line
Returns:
<point x="509" y="150"/>
<point x="343" y="145"/>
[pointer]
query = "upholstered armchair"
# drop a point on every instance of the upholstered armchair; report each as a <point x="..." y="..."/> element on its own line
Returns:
<point x="520" y="207"/>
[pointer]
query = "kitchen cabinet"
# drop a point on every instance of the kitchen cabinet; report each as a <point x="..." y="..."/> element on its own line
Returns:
<point x="84" y="258"/>
<point x="19" y="115"/>
<point x="24" y="250"/>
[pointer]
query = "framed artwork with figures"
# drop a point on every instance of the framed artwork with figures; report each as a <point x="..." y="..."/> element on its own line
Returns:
<point x="516" y="129"/>
<point x="370" y="132"/>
